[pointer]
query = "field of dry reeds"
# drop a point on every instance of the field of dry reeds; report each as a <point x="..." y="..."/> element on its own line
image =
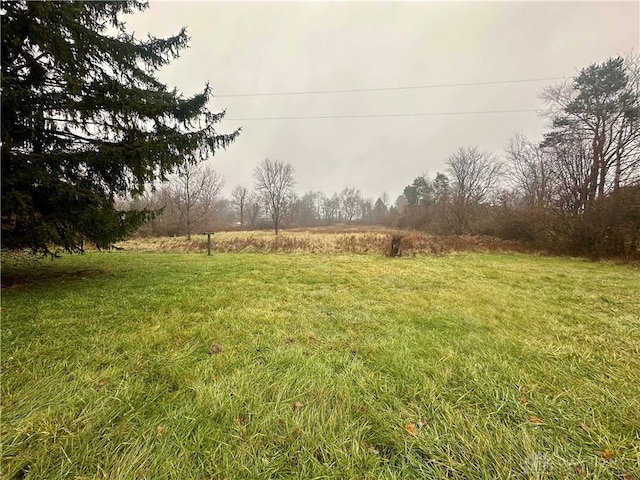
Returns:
<point x="337" y="240"/>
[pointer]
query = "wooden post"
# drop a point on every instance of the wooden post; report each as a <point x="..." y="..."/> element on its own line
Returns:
<point x="208" y="242"/>
<point x="396" y="245"/>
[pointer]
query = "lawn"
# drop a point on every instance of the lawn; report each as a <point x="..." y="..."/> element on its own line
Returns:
<point x="261" y="366"/>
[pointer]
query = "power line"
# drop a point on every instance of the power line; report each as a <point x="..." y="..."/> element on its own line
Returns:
<point x="441" y="85"/>
<point x="431" y="114"/>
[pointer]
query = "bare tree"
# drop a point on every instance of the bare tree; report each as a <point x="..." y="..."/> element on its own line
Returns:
<point x="238" y="200"/>
<point x="349" y="203"/>
<point x="571" y="164"/>
<point x="474" y="175"/>
<point x="329" y="207"/>
<point x="307" y="209"/>
<point x="194" y="188"/>
<point x="151" y="199"/>
<point x="366" y="210"/>
<point x="531" y="172"/>
<point x="253" y="209"/>
<point x="168" y="221"/>
<point x="274" y="184"/>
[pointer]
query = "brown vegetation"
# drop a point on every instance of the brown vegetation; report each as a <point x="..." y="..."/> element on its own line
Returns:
<point x="327" y="241"/>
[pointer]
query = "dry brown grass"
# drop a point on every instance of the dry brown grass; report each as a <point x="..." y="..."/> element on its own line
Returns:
<point x="334" y="240"/>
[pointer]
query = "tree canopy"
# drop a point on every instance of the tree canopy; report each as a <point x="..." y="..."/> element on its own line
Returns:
<point x="85" y="121"/>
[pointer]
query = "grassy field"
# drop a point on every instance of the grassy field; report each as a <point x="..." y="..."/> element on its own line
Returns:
<point x="325" y="240"/>
<point x="240" y="366"/>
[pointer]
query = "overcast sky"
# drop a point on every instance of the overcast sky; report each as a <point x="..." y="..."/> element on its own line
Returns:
<point x="248" y="48"/>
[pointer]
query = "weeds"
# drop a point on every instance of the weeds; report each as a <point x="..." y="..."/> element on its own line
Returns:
<point x="326" y="242"/>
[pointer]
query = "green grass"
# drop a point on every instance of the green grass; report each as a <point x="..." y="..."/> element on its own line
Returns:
<point x="108" y="369"/>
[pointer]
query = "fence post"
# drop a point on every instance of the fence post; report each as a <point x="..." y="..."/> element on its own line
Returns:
<point x="208" y="243"/>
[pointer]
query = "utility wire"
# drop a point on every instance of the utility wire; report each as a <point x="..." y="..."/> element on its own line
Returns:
<point x="441" y="85"/>
<point x="431" y="114"/>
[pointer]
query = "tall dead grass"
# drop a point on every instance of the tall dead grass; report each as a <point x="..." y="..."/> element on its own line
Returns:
<point x="376" y="241"/>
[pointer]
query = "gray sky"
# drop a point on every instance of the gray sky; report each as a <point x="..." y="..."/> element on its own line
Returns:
<point x="260" y="47"/>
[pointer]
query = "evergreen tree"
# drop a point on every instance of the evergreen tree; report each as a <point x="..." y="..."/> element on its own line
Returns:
<point x="420" y="192"/>
<point x="85" y="121"/>
<point x="598" y="115"/>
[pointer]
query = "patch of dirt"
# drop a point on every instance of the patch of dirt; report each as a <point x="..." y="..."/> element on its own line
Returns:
<point x="9" y="281"/>
<point x="39" y="277"/>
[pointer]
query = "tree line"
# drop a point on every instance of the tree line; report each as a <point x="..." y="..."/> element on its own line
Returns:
<point x="190" y="201"/>
<point x="86" y="124"/>
<point x="576" y="190"/>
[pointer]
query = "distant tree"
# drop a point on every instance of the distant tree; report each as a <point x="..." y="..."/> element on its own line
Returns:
<point x="410" y="193"/>
<point x="168" y="222"/>
<point x="151" y="199"/>
<point x="349" y="202"/>
<point x="85" y="121"/>
<point x="425" y="201"/>
<point x="366" y="210"/>
<point x="570" y="163"/>
<point x="292" y="207"/>
<point x="420" y="192"/>
<point x="194" y="188"/>
<point x="400" y="205"/>
<point x="274" y="184"/>
<point x="379" y="212"/>
<point x="330" y="208"/>
<point x="440" y="187"/>
<point x="530" y="169"/>
<point x="222" y="214"/>
<point x="474" y="176"/>
<point x="239" y="196"/>
<point x="307" y="213"/>
<point x="253" y="209"/>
